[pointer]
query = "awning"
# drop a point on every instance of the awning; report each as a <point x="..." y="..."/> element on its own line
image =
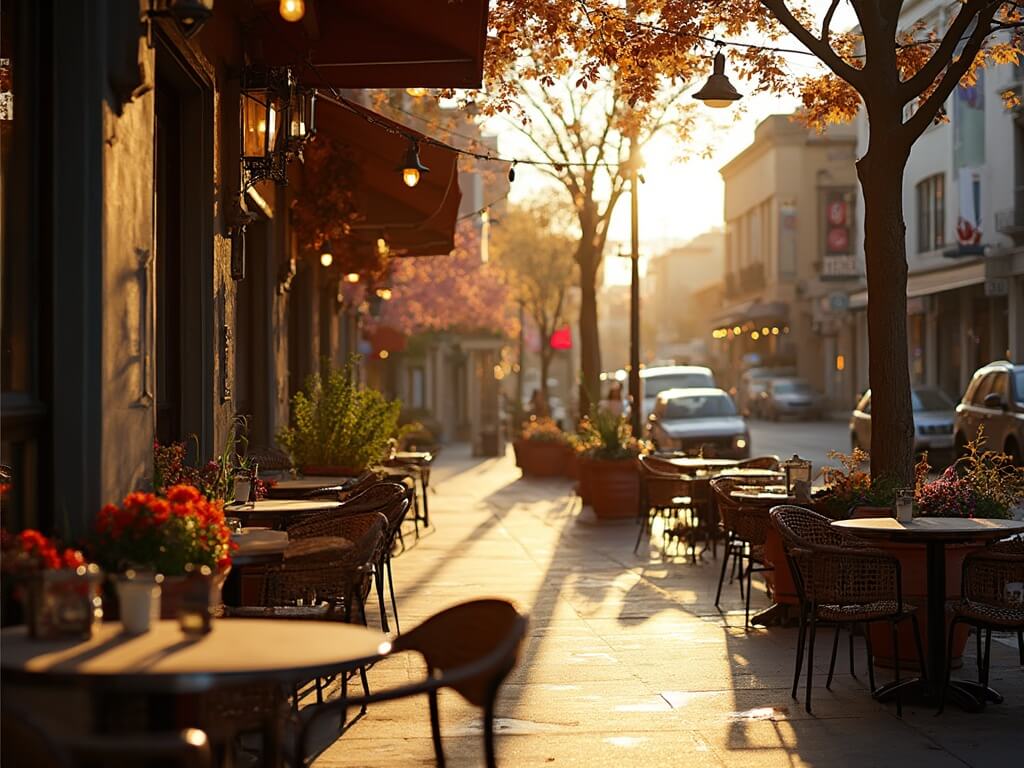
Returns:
<point x="934" y="281"/>
<point x="377" y="43"/>
<point x="416" y="221"/>
<point x="754" y="311"/>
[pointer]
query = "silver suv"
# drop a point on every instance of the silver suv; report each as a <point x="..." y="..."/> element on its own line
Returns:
<point x="994" y="399"/>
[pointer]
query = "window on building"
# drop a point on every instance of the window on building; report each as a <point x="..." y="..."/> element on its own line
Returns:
<point x="417" y="387"/>
<point x="931" y="213"/>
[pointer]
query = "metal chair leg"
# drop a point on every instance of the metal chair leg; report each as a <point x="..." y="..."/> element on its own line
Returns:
<point x="750" y="573"/>
<point x="435" y="729"/>
<point x="871" y="657"/>
<point x="832" y="662"/>
<point x="725" y="565"/>
<point x="378" y="583"/>
<point x="948" y="667"/>
<point x="977" y="649"/>
<point x="489" y="734"/>
<point x="799" y="649"/>
<point x="922" y="664"/>
<point x="394" y="602"/>
<point x="988" y="659"/>
<point x="1020" y="646"/>
<point x="894" y="628"/>
<point x="853" y="671"/>
<point x="810" y="660"/>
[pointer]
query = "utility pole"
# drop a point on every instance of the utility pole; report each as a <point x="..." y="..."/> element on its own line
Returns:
<point x="635" y="397"/>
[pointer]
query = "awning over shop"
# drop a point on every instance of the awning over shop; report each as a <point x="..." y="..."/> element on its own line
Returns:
<point x="378" y="43"/>
<point x="933" y="281"/>
<point x="416" y="221"/>
<point x="754" y="312"/>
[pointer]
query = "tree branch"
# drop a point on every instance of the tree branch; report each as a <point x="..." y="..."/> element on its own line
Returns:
<point x="926" y="113"/>
<point x="827" y="22"/>
<point x="943" y="55"/>
<point x="822" y="50"/>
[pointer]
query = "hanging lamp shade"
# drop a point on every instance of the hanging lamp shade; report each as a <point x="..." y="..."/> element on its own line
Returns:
<point x="412" y="167"/>
<point x="718" y="92"/>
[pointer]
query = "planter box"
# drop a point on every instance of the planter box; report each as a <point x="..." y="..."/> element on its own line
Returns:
<point x="611" y="488"/>
<point x="572" y="464"/>
<point x="915" y="592"/>
<point x="540" y="458"/>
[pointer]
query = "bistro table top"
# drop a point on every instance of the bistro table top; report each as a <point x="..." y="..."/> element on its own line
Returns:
<point x="418" y="457"/>
<point x="310" y="483"/>
<point x="695" y="462"/>
<point x="279" y="507"/>
<point x="743" y="472"/>
<point x="165" y="660"/>
<point x="932" y="528"/>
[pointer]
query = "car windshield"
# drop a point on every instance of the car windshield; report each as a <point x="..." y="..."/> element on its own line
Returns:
<point x="791" y="388"/>
<point x="930" y="400"/>
<point x="1018" y="384"/>
<point x="656" y="384"/>
<point x="702" y="407"/>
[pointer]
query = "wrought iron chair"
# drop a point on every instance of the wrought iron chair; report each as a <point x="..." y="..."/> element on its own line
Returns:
<point x="992" y="597"/>
<point x="470" y="648"/>
<point x="746" y="528"/>
<point x="843" y="581"/>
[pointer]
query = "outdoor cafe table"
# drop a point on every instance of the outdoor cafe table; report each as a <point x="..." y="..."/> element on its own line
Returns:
<point x="278" y="509"/>
<point x="298" y="488"/>
<point x="164" y="662"/>
<point x="695" y="463"/>
<point x="935" y="533"/>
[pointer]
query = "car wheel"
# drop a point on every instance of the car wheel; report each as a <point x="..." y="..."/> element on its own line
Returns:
<point x="1012" y="450"/>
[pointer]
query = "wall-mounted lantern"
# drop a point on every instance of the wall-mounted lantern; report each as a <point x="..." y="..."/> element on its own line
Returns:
<point x="277" y="117"/>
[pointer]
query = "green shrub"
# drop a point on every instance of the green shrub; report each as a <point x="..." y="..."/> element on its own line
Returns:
<point x="336" y="422"/>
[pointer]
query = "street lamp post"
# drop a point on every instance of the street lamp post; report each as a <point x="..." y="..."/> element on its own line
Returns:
<point x="635" y="397"/>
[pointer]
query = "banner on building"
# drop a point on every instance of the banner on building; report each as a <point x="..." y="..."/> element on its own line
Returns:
<point x="969" y="157"/>
<point x="968" y="223"/>
<point x="838" y="262"/>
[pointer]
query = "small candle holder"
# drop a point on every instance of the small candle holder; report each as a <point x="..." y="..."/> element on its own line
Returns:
<point x="138" y="597"/>
<point x="798" y="471"/>
<point x="195" y="617"/>
<point x="64" y="603"/>
<point x="904" y="506"/>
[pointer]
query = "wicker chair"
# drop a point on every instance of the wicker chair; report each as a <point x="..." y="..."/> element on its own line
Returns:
<point x="746" y="527"/>
<point x="987" y="603"/>
<point x="760" y="462"/>
<point x="470" y="648"/>
<point x="664" y="494"/>
<point x="842" y="581"/>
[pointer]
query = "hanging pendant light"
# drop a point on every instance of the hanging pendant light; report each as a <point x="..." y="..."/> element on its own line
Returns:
<point x="292" y="10"/>
<point x="326" y="253"/>
<point x="411" y="166"/>
<point x="718" y="92"/>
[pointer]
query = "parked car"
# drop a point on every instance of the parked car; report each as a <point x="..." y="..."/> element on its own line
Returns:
<point x="789" y="397"/>
<point x="699" y="421"/>
<point x="752" y="385"/>
<point x="933" y="422"/>
<point x="659" y="378"/>
<point x="994" y="399"/>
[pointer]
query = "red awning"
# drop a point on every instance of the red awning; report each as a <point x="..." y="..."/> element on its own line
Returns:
<point x="416" y="221"/>
<point x="378" y="43"/>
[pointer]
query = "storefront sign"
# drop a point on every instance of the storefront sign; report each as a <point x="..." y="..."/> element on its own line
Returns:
<point x="839" y="262"/>
<point x="997" y="286"/>
<point x="839" y="267"/>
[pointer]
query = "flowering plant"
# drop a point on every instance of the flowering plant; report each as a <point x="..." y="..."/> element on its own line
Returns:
<point x="31" y="551"/>
<point x="849" y="486"/>
<point x="148" y="532"/>
<point x="543" y="430"/>
<point x="610" y="437"/>
<point x="214" y="479"/>
<point x="980" y="483"/>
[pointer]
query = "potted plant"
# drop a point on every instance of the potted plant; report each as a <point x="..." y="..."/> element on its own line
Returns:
<point x="609" y="472"/>
<point x="164" y="535"/>
<point x="982" y="484"/>
<point x="58" y="589"/>
<point x="338" y="427"/>
<point x="542" y="448"/>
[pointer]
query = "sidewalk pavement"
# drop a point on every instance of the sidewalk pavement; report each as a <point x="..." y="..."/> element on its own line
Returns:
<point x="628" y="662"/>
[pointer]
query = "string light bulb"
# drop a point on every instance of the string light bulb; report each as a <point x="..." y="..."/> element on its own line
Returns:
<point x="512" y="172"/>
<point x="718" y="92"/>
<point x="412" y="168"/>
<point x="384" y="294"/>
<point x="326" y="253"/>
<point x="292" y="10"/>
<point x="352" y="277"/>
<point x="416" y="92"/>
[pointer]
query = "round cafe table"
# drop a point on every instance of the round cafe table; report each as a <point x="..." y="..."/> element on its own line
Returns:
<point x="695" y="463"/>
<point x="301" y="487"/>
<point x="278" y="509"/>
<point x="935" y="533"/>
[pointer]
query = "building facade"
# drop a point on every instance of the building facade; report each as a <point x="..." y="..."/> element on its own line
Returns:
<point x="789" y="208"/>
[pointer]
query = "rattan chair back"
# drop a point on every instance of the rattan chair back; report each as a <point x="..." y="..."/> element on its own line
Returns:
<point x="760" y="462"/>
<point x="663" y="489"/>
<point x="745" y="520"/>
<point x="994" y="577"/>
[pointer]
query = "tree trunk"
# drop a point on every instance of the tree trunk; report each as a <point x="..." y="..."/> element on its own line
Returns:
<point x="545" y="367"/>
<point x="892" y="418"/>
<point x="590" y="345"/>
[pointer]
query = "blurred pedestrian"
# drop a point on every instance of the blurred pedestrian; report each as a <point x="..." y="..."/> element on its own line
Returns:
<point x="613" y="402"/>
<point x="539" y="405"/>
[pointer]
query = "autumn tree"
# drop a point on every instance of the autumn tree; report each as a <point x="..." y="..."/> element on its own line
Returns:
<point x="882" y="67"/>
<point x="537" y="258"/>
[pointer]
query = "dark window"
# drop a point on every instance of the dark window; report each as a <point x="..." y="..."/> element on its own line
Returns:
<point x="930" y="400"/>
<point x="708" y="407"/>
<point x="1001" y="385"/>
<point x="982" y="388"/>
<point x="931" y="213"/>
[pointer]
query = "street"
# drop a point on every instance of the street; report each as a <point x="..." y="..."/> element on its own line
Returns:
<point x="810" y="439"/>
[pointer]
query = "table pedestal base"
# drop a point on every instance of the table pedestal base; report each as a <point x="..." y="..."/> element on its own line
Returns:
<point x="967" y="694"/>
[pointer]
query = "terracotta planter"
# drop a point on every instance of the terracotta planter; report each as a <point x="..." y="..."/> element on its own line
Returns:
<point x="613" y="487"/>
<point x="572" y="464"/>
<point x="330" y="470"/>
<point x="915" y="592"/>
<point x="780" y="582"/>
<point x="540" y="458"/>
